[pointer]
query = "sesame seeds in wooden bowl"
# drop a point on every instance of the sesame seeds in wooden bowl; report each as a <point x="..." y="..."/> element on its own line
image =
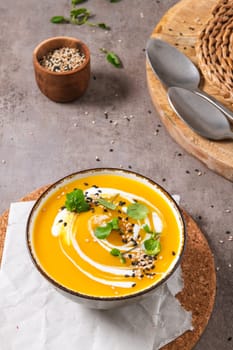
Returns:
<point x="62" y="68"/>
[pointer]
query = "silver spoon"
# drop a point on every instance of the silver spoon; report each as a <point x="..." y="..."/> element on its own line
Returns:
<point x="202" y="116"/>
<point x="173" y="68"/>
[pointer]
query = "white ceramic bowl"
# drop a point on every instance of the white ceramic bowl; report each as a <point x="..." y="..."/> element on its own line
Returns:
<point x="94" y="301"/>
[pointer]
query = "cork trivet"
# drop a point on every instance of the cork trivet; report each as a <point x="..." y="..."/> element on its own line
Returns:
<point x="214" y="48"/>
<point x="198" y="271"/>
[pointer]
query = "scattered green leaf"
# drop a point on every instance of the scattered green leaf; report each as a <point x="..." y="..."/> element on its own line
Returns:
<point x="146" y="228"/>
<point x="59" y="19"/>
<point x="115" y="252"/>
<point x="137" y="211"/>
<point x="122" y="259"/>
<point x="79" y="16"/>
<point x="152" y="246"/>
<point x="77" y="2"/>
<point x="114" y="1"/>
<point x="154" y="234"/>
<point x="75" y="201"/>
<point x="107" y="204"/>
<point x="114" y="223"/>
<point x="103" y="232"/>
<point x="112" y="58"/>
<point x="103" y="26"/>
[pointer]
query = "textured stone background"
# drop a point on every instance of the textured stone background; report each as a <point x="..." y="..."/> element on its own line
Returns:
<point x="41" y="141"/>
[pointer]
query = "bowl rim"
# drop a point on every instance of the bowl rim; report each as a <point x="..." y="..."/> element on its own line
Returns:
<point x="61" y="287"/>
<point x="37" y="65"/>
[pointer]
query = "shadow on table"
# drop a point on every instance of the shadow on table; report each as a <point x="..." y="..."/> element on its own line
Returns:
<point x="106" y="87"/>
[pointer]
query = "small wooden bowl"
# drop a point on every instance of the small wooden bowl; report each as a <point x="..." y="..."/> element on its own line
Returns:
<point x="62" y="86"/>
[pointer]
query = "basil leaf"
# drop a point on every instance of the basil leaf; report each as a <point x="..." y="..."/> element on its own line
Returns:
<point x="103" y="232"/>
<point x="59" y="19"/>
<point x="113" y="59"/>
<point x="75" y="201"/>
<point x="152" y="246"/>
<point x="107" y="204"/>
<point x="115" y="252"/>
<point x="137" y="211"/>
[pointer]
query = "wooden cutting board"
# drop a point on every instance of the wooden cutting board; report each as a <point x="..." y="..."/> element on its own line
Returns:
<point x="180" y="26"/>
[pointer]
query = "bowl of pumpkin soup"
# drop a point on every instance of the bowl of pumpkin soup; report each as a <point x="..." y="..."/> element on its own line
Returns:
<point x="106" y="237"/>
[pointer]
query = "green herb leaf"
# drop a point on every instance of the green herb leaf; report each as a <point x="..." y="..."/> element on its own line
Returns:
<point x="79" y="16"/>
<point x="76" y="2"/>
<point x="122" y="259"/>
<point x="59" y="19"/>
<point x="113" y="59"/>
<point x="114" y="223"/>
<point x="146" y="228"/>
<point x="137" y="211"/>
<point x="152" y="246"/>
<point x="115" y="252"/>
<point x="103" y="232"/>
<point x="103" y="26"/>
<point x="107" y="204"/>
<point x="114" y="1"/>
<point x="75" y="201"/>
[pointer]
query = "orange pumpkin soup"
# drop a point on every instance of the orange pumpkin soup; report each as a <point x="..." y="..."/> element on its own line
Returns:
<point x="107" y="235"/>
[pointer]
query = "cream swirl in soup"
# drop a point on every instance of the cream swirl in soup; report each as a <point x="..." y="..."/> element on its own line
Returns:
<point x="107" y="235"/>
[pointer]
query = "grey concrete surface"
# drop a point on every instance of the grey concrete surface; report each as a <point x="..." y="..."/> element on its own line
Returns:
<point x="41" y="141"/>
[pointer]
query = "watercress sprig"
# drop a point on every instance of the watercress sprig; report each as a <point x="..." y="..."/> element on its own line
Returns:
<point x="137" y="211"/>
<point x="117" y="252"/>
<point x="75" y="201"/>
<point x="103" y="232"/>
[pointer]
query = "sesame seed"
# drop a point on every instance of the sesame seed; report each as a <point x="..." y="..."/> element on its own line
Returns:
<point x="63" y="59"/>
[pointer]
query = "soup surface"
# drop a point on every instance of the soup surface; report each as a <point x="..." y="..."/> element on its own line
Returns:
<point x="106" y="235"/>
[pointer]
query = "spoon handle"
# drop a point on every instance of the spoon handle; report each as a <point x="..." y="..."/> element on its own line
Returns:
<point x="216" y="103"/>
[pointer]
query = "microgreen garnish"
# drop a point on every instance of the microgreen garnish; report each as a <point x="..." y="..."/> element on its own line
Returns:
<point x="79" y="16"/>
<point x="114" y="1"/>
<point x="103" y="232"/>
<point x="148" y="230"/>
<point x="75" y="201"/>
<point x="112" y="58"/>
<point x="107" y="204"/>
<point x="59" y="19"/>
<point x="137" y="211"/>
<point x="152" y="246"/>
<point x="76" y="2"/>
<point x="117" y="252"/>
<point x="100" y="25"/>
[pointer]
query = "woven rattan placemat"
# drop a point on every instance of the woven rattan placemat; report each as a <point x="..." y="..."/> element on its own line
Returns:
<point x="214" y="48"/>
<point x="198" y="271"/>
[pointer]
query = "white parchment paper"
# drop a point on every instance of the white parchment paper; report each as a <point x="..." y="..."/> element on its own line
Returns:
<point x="33" y="315"/>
